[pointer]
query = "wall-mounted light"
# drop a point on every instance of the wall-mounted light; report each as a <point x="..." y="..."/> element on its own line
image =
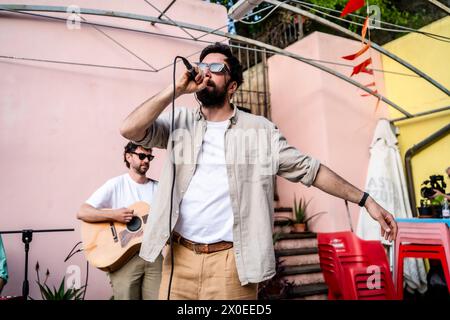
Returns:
<point x="240" y="9"/>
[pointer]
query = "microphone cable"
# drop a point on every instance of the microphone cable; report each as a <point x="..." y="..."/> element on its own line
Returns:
<point x="192" y="75"/>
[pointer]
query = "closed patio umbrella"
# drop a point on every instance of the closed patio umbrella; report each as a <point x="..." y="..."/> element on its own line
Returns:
<point x="386" y="184"/>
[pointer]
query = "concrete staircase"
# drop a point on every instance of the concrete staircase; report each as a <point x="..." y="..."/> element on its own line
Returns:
<point x="298" y="261"/>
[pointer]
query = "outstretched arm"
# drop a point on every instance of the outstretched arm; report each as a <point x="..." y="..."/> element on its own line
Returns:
<point x="331" y="183"/>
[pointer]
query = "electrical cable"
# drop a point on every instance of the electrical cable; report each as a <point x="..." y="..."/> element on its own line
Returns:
<point x="427" y="34"/>
<point x="264" y="18"/>
<point x="192" y="74"/>
<point x="152" y="33"/>
<point x="174" y="170"/>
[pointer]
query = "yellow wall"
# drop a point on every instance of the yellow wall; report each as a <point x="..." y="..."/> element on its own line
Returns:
<point x="417" y="95"/>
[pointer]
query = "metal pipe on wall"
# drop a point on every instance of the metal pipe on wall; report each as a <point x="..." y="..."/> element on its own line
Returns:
<point x="411" y="152"/>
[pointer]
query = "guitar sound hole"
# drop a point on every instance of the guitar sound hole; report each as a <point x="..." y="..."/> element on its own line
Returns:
<point x="134" y="224"/>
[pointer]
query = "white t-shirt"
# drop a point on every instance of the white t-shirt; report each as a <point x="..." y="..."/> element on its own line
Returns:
<point x="205" y="211"/>
<point x="121" y="192"/>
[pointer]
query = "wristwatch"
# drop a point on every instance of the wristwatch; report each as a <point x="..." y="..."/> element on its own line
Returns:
<point x="363" y="199"/>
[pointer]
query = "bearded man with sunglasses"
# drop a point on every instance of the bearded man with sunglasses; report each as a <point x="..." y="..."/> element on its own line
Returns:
<point x="137" y="279"/>
<point x="222" y="205"/>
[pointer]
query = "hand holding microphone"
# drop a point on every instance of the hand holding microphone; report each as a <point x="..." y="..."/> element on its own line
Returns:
<point x="193" y="80"/>
<point x="190" y="68"/>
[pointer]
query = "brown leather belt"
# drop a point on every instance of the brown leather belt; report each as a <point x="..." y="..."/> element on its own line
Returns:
<point x="201" y="247"/>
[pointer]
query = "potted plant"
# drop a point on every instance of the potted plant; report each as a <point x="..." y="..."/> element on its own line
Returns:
<point x="430" y="208"/>
<point x="430" y="205"/>
<point x="424" y="209"/>
<point x="300" y="216"/>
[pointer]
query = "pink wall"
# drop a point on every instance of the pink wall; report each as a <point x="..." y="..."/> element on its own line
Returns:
<point x="325" y="117"/>
<point x="59" y="124"/>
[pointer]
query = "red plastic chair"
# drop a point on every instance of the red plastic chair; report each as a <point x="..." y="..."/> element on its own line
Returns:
<point x="353" y="268"/>
<point x="421" y="240"/>
<point x="371" y="283"/>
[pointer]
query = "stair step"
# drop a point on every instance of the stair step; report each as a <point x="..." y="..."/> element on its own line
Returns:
<point x="304" y="279"/>
<point x="308" y="290"/>
<point x="313" y="297"/>
<point x="285" y="227"/>
<point x="295" y="251"/>
<point x="299" y="260"/>
<point x="302" y="235"/>
<point x="283" y="209"/>
<point x="298" y="256"/>
<point x="282" y="222"/>
<point x="282" y="217"/>
<point x="293" y="270"/>
<point x="296" y="243"/>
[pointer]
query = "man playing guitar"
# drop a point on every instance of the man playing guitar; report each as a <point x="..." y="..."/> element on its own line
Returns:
<point x="137" y="278"/>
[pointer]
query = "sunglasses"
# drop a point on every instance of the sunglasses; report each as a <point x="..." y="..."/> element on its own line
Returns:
<point x="142" y="156"/>
<point x="213" y="67"/>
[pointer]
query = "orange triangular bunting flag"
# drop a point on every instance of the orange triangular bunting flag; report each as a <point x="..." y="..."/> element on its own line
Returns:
<point x="368" y="94"/>
<point x="377" y="105"/>
<point x="362" y="67"/>
<point x="364" y="29"/>
<point x="370" y="84"/>
<point x="351" y="6"/>
<point x="356" y="55"/>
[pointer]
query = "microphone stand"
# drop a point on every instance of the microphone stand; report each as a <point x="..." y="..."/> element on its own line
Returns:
<point x="27" y="237"/>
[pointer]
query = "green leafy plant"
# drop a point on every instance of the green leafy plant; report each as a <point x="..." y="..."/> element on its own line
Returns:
<point x="275" y="237"/>
<point x="300" y="212"/>
<point x="437" y="201"/>
<point x="62" y="293"/>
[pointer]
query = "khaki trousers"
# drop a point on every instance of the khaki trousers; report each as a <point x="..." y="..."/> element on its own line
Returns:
<point x="137" y="279"/>
<point x="211" y="276"/>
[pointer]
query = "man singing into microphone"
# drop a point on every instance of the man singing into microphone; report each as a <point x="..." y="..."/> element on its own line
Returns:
<point x="222" y="200"/>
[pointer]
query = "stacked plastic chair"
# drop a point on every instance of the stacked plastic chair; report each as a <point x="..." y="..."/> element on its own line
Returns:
<point x="354" y="269"/>
<point x="421" y="240"/>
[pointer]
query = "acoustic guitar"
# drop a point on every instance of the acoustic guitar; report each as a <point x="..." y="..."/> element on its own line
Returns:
<point x="109" y="245"/>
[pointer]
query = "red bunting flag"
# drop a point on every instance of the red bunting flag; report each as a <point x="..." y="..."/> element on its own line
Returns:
<point x="362" y="67"/>
<point x="360" y="52"/>
<point x="351" y="6"/>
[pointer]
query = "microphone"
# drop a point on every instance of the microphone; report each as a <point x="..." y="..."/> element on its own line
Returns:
<point x="190" y="68"/>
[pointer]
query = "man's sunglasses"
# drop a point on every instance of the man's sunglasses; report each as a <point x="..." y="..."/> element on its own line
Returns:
<point x="142" y="156"/>
<point x="213" y="67"/>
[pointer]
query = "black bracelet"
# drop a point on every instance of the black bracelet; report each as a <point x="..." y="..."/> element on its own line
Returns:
<point x="363" y="199"/>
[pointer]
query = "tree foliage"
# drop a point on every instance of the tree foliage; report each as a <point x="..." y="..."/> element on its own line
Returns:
<point x="412" y="14"/>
